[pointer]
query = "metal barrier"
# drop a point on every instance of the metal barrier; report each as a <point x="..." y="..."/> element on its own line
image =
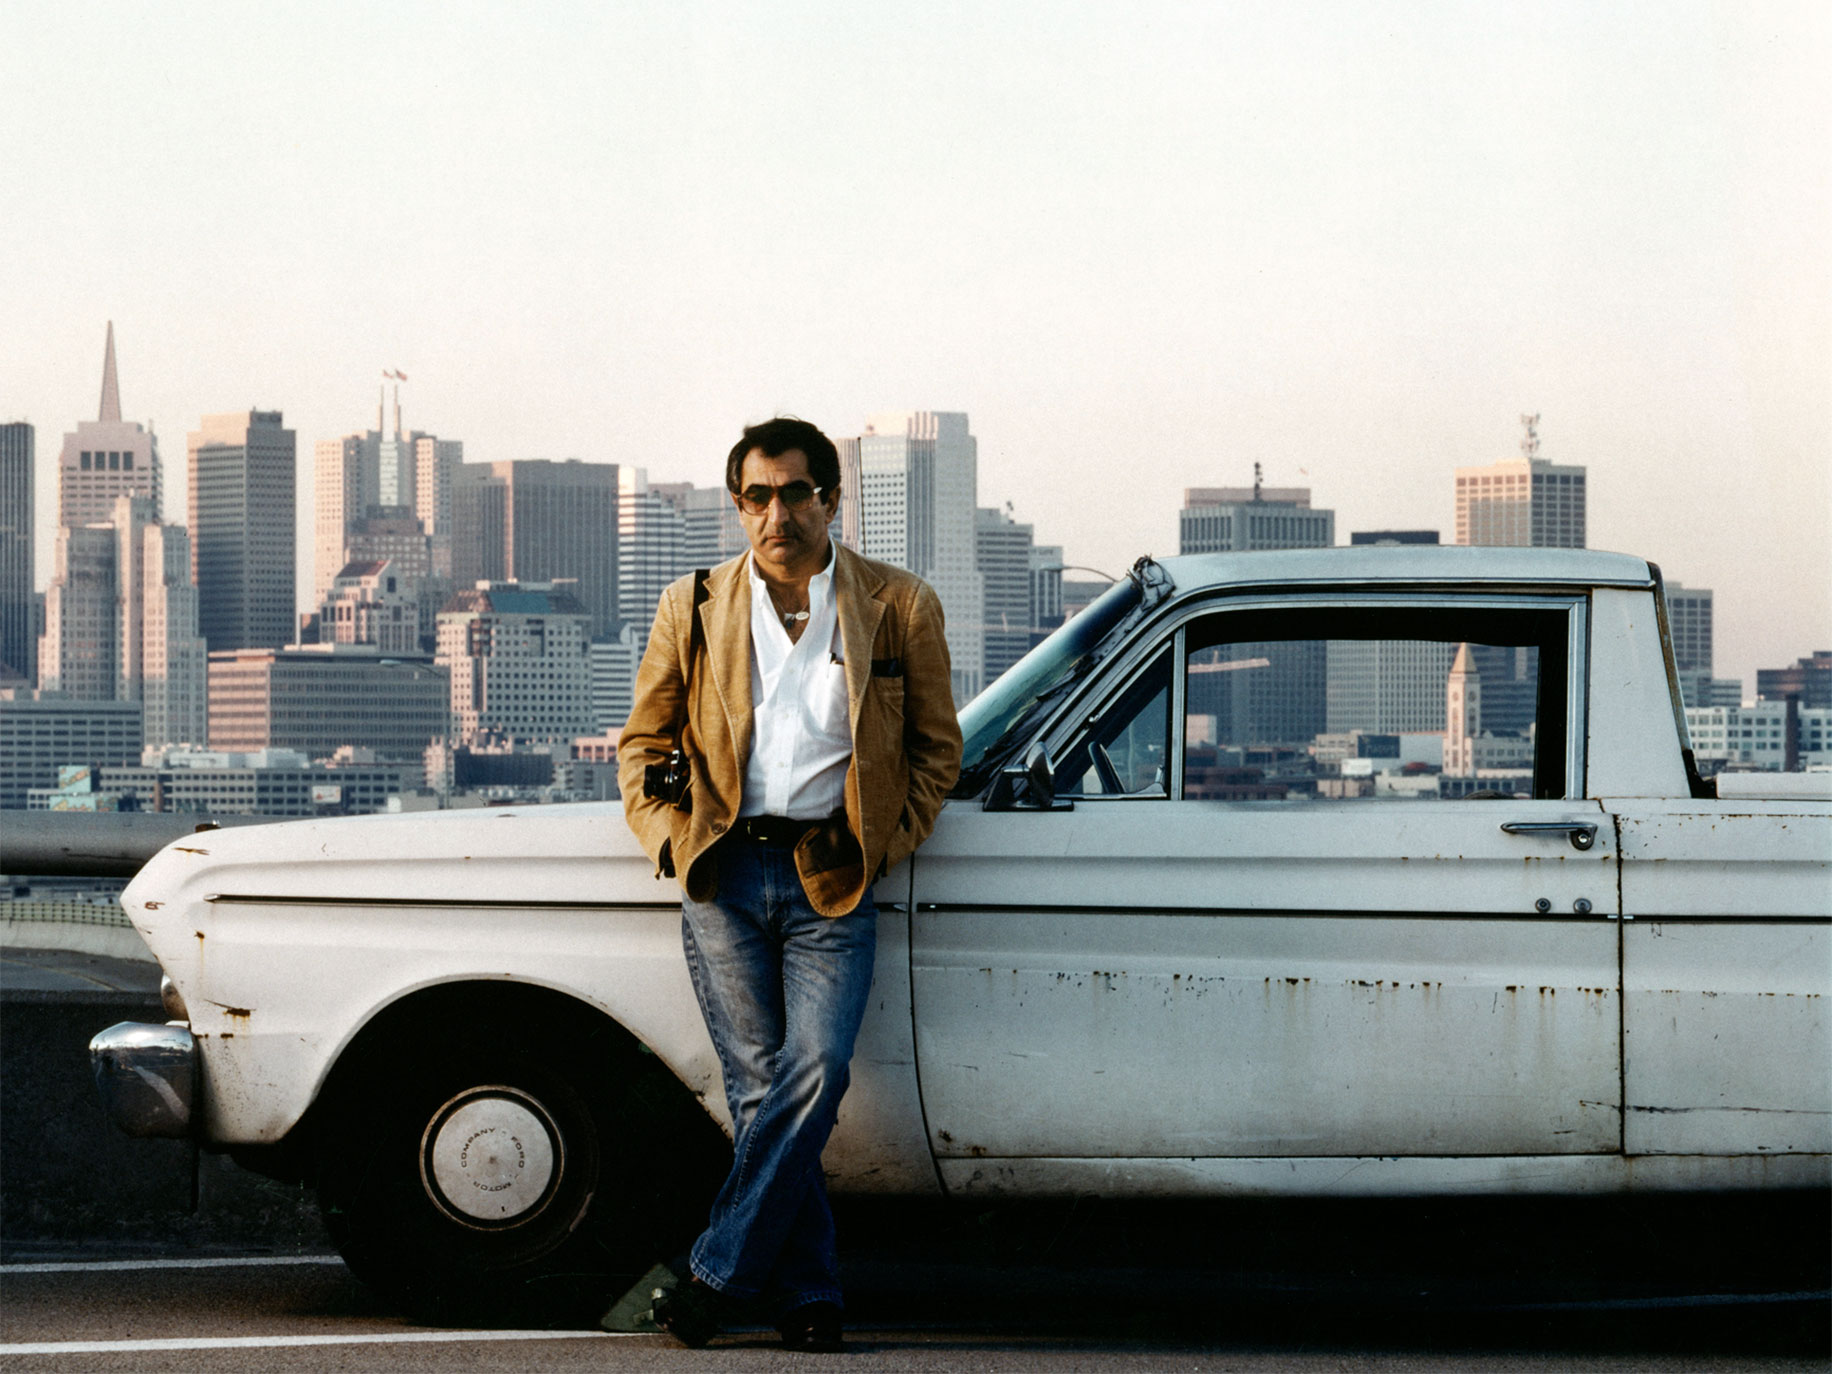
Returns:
<point x="97" y="844"/>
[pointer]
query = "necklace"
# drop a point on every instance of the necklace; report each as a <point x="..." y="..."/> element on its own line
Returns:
<point x="790" y="617"/>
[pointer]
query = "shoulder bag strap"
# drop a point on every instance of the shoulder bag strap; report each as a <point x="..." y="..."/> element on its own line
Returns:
<point x="696" y="636"/>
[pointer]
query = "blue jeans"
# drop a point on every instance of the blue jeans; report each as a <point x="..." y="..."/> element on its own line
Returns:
<point x="783" y="990"/>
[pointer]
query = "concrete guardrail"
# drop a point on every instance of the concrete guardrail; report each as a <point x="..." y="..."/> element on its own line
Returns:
<point x="97" y="844"/>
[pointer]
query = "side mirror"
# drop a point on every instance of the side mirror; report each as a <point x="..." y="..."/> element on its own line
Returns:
<point x="1039" y="777"/>
<point x="1027" y="786"/>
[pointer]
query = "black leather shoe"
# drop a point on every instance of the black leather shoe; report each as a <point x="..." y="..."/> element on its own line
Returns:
<point x="693" y="1312"/>
<point x="813" y="1326"/>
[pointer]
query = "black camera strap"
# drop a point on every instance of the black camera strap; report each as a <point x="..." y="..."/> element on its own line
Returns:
<point x="696" y="638"/>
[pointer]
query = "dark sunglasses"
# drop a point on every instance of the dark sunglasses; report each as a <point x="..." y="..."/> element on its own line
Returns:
<point x="793" y="495"/>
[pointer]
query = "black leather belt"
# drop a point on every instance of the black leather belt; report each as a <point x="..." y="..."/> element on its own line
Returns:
<point x="778" y="831"/>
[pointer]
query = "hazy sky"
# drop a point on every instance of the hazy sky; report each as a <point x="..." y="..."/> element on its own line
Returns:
<point x="1143" y="245"/>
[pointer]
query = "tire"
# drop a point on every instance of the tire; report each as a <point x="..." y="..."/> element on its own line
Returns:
<point x="485" y="1178"/>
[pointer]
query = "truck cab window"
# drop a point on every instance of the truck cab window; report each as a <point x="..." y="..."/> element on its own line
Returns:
<point x="1366" y="702"/>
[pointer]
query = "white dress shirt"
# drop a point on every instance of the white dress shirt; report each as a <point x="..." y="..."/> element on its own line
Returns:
<point x="801" y="723"/>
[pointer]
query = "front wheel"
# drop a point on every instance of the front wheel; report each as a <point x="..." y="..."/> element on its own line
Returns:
<point x="481" y="1179"/>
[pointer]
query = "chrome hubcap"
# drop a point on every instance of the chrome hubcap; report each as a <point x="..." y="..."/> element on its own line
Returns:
<point x="491" y="1157"/>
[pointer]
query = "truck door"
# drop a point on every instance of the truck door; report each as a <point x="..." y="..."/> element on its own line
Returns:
<point x="1215" y="954"/>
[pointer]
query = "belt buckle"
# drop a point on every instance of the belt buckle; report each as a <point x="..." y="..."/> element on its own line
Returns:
<point x="769" y="830"/>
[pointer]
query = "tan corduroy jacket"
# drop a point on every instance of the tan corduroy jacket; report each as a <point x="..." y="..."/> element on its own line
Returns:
<point x="906" y="742"/>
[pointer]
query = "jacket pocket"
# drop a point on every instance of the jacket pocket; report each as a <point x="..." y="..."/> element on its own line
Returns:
<point x="887" y="693"/>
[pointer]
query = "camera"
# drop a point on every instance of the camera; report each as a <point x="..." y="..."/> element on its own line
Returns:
<point x="669" y="780"/>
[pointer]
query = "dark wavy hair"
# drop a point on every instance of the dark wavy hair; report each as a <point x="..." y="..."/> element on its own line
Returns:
<point x="773" y="438"/>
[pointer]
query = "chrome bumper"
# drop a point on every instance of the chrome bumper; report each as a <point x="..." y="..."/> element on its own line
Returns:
<point x="148" y="1078"/>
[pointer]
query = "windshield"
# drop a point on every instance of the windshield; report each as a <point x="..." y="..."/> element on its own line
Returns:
<point x="990" y="718"/>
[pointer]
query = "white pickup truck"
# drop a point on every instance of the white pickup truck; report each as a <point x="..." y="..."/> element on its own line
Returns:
<point x="1346" y="871"/>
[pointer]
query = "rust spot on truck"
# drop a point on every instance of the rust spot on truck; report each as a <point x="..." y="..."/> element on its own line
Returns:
<point x="186" y="849"/>
<point x="152" y="906"/>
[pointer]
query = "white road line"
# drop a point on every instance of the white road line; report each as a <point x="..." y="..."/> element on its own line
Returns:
<point x="114" y="1266"/>
<point x="284" y="1342"/>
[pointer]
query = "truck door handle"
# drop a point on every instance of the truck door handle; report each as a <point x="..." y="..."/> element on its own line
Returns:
<point x="1583" y="833"/>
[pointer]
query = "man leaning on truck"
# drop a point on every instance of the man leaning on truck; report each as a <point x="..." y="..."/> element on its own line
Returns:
<point x="804" y="693"/>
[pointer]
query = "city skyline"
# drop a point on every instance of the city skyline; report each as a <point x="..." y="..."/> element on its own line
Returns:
<point x="309" y="515"/>
<point x="1144" y="250"/>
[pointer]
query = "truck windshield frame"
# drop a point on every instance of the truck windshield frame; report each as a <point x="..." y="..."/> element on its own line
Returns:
<point x="993" y="719"/>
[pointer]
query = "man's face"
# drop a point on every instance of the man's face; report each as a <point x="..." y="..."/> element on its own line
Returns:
<point x="787" y="543"/>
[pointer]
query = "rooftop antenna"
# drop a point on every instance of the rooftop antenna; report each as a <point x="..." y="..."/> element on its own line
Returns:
<point x="1256" y="483"/>
<point x="1529" y="446"/>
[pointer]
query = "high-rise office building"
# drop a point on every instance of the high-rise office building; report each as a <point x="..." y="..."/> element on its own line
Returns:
<point x="370" y="603"/>
<point x="121" y="621"/>
<point x="18" y="552"/>
<point x="1003" y="551"/>
<point x="241" y="488"/>
<point x="318" y="698"/>
<point x="1524" y="502"/>
<point x="480" y="531"/>
<point x="436" y="463"/>
<point x="651" y="542"/>
<point x="1689" y="617"/>
<point x="388" y="474"/>
<point x="1046" y="608"/>
<point x="517" y="659"/>
<point x="106" y="458"/>
<point x="851" y="519"/>
<point x="1287" y="701"/>
<point x="1689" y="622"/>
<point x="612" y="665"/>
<point x="164" y="664"/>
<point x="1521" y="503"/>
<point x="710" y="529"/>
<point x="1249" y="519"/>
<point x="420" y="561"/>
<point x="345" y="483"/>
<point x="1387" y="686"/>
<point x="535" y="520"/>
<point x="79" y="652"/>
<point x="1809" y="679"/>
<point x="919" y="483"/>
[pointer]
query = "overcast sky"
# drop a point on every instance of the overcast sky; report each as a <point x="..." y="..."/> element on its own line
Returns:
<point x="1143" y="245"/>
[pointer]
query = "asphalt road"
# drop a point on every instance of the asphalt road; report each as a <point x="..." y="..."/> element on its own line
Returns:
<point x="1720" y="1284"/>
